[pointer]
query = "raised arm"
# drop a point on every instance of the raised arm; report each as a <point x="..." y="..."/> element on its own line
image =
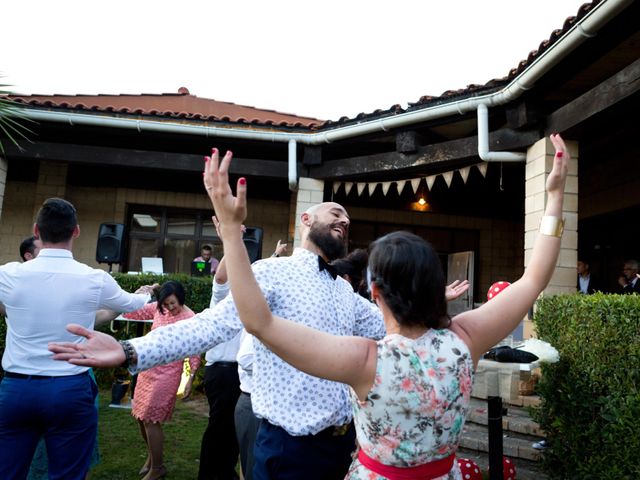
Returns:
<point x="349" y="360"/>
<point x="484" y="327"/>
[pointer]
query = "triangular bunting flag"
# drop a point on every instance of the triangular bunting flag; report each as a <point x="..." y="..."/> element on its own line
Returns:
<point x="385" y="187"/>
<point x="430" y="180"/>
<point x="336" y="186"/>
<point x="414" y="184"/>
<point x="483" y="168"/>
<point x="347" y="187"/>
<point x="371" y="187"/>
<point x="448" y="176"/>
<point x="360" y="187"/>
<point x="401" y="184"/>
<point x="464" y="173"/>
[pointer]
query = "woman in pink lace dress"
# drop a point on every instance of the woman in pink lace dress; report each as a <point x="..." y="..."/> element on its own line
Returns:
<point x="410" y="391"/>
<point x="155" y="394"/>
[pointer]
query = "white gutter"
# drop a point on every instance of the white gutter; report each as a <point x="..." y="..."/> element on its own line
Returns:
<point x="586" y="28"/>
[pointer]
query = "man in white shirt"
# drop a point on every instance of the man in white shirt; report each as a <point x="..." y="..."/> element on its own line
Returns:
<point x="39" y="396"/>
<point x="219" y="448"/>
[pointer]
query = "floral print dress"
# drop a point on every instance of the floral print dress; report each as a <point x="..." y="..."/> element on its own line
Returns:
<point x="415" y="412"/>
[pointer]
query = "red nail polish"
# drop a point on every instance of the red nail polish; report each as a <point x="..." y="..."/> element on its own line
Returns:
<point x="243" y="181"/>
<point x="559" y="154"/>
<point x="206" y="159"/>
<point x="214" y="150"/>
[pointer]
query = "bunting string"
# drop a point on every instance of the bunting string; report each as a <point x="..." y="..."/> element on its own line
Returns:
<point x="370" y="187"/>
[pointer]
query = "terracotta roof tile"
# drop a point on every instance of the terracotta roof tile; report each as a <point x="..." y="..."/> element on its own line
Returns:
<point x="180" y="105"/>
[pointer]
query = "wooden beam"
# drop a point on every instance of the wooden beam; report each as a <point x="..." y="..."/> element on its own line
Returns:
<point x="426" y="157"/>
<point x="123" y="157"/>
<point x="521" y="115"/>
<point x="407" y="142"/>
<point x="613" y="90"/>
<point x="312" y="155"/>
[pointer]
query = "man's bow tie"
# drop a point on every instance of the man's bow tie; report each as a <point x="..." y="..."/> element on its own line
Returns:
<point x="323" y="265"/>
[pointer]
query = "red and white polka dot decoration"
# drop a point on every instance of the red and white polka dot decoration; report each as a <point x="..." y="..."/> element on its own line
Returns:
<point x="469" y="469"/>
<point x="508" y="469"/>
<point x="496" y="288"/>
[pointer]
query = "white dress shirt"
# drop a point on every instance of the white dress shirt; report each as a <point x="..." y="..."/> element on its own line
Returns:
<point x="245" y="358"/>
<point x="45" y="294"/>
<point x="225" y="351"/>
<point x="584" y="283"/>
<point x="294" y="289"/>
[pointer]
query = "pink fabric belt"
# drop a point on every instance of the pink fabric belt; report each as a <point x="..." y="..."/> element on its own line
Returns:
<point x="426" y="471"/>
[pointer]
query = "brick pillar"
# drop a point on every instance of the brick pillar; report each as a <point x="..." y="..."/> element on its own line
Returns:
<point x="4" y="166"/>
<point x="310" y="192"/>
<point x="539" y="163"/>
<point x="52" y="182"/>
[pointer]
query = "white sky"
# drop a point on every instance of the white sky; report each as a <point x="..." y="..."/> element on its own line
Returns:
<point x="323" y="59"/>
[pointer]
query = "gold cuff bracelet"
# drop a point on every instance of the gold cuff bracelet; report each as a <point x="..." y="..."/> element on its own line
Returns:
<point x="552" y="226"/>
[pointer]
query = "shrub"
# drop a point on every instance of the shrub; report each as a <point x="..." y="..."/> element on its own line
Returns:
<point x="590" y="405"/>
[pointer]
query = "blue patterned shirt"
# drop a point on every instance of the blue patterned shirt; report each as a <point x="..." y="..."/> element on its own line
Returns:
<point x="295" y="289"/>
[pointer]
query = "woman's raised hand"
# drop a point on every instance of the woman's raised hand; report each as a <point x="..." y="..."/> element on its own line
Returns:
<point x="230" y="210"/>
<point x="558" y="175"/>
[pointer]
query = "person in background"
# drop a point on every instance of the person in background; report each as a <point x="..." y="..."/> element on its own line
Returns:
<point x="628" y="281"/>
<point x="280" y="249"/>
<point x="353" y="268"/>
<point x="219" y="447"/>
<point x="29" y="248"/>
<point x="410" y="391"/>
<point x="587" y="284"/>
<point x="219" y="452"/>
<point x="206" y="255"/>
<point x="156" y="389"/>
<point x="40" y="397"/>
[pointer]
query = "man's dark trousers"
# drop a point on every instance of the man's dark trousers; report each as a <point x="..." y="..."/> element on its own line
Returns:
<point x="219" y="450"/>
<point x="280" y="456"/>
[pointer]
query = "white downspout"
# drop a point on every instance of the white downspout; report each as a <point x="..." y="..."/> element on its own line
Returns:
<point x="293" y="165"/>
<point x="483" y="141"/>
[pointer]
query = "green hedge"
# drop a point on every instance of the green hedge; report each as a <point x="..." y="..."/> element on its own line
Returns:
<point x="197" y="297"/>
<point x="590" y="405"/>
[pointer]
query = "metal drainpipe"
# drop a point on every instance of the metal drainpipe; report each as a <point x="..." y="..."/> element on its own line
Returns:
<point x="293" y="165"/>
<point x="483" y="141"/>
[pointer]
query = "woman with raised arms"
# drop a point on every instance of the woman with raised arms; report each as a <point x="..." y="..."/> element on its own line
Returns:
<point x="410" y="391"/>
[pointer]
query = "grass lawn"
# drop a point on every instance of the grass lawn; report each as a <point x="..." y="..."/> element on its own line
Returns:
<point x="122" y="450"/>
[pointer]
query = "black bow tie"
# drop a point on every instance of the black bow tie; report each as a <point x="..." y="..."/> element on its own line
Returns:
<point x="323" y="265"/>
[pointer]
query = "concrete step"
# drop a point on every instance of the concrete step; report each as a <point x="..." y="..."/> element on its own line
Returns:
<point x="514" y="445"/>
<point x="516" y="419"/>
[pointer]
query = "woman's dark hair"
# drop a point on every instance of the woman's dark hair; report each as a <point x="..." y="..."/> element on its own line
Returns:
<point x="354" y="265"/>
<point x="166" y="290"/>
<point x="409" y="275"/>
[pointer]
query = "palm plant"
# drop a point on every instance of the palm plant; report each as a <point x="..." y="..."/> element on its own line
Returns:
<point x="11" y="119"/>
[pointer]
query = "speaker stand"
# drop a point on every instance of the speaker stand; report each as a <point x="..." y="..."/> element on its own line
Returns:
<point x="110" y="267"/>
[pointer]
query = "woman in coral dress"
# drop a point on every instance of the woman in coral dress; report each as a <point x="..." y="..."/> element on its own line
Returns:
<point x="156" y="389"/>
